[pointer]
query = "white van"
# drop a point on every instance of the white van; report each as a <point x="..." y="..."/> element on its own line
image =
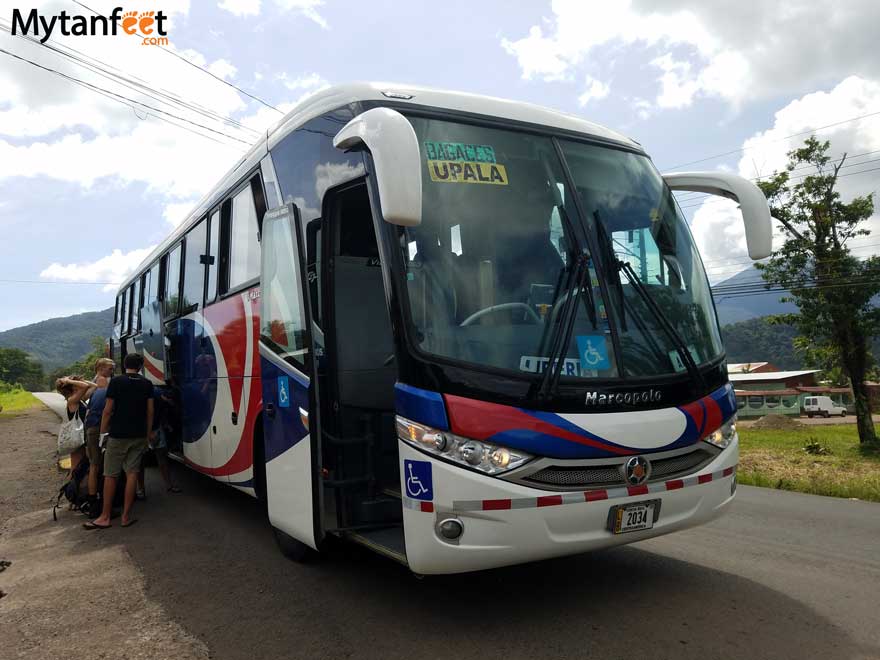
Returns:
<point x="823" y="406"/>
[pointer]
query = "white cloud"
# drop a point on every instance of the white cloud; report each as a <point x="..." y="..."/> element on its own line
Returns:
<point x="241" y="7"/>
<point x="595" y="90"/>
<point x="113" y="269"/>
<point x="737" y="52"/>
<point x="308" y="8"/>
<point x="717" y="224"/>
<point x="176" y="212"/>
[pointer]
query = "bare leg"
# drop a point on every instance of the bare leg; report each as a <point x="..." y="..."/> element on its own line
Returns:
<point x="131" y="480"/>
<point x="93" y="480"/>
<point x="109" y="492"/>
<point x="164" y="467"/>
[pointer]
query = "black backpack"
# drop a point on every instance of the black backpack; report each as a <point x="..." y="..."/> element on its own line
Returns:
<point x="70" y="490"/>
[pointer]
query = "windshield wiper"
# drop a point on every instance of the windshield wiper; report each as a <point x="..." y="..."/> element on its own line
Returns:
<point x="611" y="258"/>
<point x="676" y="339"/>
<point x="561" y="340"/>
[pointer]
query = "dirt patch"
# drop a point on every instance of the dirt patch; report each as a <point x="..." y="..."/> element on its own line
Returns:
<point x="781" y="422"/>
<point x="28" y="475"/>
<point x="68" y="593"/>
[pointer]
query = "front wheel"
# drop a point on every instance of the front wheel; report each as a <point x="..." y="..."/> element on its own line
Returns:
<point x="843" y="413"/>
<point x="827" y="414"/>
<point x="291" y="548"/>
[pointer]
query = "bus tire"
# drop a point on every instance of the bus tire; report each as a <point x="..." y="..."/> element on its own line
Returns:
<point x="291" y="548"/>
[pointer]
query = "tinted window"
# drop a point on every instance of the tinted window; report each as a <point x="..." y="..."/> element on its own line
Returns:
<point x="151" y="285"/>
<point x="172" y="282"/>
<point x="213" y="260"/>
<point x="307" y="163"/>
<point x="244" y="250"/>
<point x="136" y="305"/>
<point x="282" y="319"/>
<point x="123" y="307"/>
<point x="194" y="268"/>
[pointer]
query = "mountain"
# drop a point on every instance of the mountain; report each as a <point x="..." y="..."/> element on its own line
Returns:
<point x="757" y="303"/>
<point x="60" y="341"/>
<point x="755" y="340"/>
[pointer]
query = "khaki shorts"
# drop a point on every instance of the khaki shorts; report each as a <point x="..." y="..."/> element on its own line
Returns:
<point x="93" y="451"/>
<point x="123" y="454"/>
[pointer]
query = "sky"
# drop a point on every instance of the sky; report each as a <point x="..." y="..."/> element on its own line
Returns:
<point x="91" y="177"/>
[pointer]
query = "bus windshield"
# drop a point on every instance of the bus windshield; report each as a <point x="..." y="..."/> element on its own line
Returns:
<point x="504" y="238"/>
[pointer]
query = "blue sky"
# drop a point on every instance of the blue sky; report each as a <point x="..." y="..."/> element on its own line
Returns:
<point x="88" y="184"/>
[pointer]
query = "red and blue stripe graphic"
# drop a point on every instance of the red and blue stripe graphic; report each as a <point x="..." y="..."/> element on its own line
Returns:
<point x="550" y="434"/>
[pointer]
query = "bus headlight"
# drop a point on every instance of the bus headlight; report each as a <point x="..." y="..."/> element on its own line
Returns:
<point x="486" y="457"/>
<point x="724" y="435"/>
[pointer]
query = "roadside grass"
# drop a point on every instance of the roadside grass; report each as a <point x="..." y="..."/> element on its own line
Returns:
<point x="776" y="459"/>
<point x="17" y="401"/>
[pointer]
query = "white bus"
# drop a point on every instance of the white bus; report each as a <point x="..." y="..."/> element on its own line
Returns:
<point x="463" y="331"/>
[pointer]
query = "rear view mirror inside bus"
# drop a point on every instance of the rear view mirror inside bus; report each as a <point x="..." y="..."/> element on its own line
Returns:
<point x="752" y="203"/>
<point x="392" y="143"/>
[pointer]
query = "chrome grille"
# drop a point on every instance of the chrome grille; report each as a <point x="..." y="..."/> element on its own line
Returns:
<point x="602" y="476"/>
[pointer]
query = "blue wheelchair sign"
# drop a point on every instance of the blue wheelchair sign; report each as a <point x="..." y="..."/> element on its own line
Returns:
<point x="283" y="392"/>
<point x="417" y="476"/>
<point x="593" y="352"/>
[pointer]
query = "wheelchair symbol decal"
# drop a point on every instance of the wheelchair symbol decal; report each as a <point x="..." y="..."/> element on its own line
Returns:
<point x="417" y="476"/>
<point x="593" y="352"/>
<point x="283" y="392"/>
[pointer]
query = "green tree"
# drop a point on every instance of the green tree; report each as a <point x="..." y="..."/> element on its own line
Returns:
<point x="831" y="288"/>
<point x="85" y="366"/>
<point x="16" y="366"/>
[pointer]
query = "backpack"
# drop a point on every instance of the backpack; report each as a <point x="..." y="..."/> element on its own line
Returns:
<point x="70" y="490"/>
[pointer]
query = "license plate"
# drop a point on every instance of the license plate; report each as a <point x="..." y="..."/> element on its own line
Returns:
<point x="633" y="517"/>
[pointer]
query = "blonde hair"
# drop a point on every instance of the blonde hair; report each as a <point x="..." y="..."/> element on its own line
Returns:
<point x="103" y="362"/>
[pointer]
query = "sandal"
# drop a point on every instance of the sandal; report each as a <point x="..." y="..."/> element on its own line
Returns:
<point x="90" y="526"/>
<point x="174" y="489"/>
<point x="130" y="522"/>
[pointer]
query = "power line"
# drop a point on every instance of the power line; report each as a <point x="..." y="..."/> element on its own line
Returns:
<point x="200" y="68"/>
<point x="6" y="281"/>
<point x="120" y="96"/>
<point x="787" y="137"/>
<point x="840" y="176"/>
<point x="131" y="82"/>
<point x="685" y="196"/>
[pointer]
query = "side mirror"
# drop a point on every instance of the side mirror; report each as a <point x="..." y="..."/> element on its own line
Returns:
<point x="397" y="160"/>
<point x="752" y="203"/>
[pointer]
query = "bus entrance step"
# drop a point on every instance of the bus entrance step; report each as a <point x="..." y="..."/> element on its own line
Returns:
<point x="378" y="510"/>
<point x="387" y="541"/>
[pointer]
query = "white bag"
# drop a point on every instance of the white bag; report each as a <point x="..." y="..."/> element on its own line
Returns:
<point x="71" y="435"/>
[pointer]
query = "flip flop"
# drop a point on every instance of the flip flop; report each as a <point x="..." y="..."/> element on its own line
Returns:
<point x="174" y="489"/>
<point x="130" y="522"/>
<point x="90" y="526"/>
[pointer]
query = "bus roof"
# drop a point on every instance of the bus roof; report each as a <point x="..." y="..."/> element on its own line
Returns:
<point x="338" y="96"/>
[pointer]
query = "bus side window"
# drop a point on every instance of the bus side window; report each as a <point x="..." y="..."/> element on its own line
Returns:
<point x="244" y="249"/>
<point x="194" y="266"/>
<point x="172" y="282"/>
<point x="123" y="312"/>
<point x="213" y="257"/>
<point x="129" y="326"/>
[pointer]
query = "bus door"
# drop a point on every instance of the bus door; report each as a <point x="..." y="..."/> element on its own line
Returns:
<point x="290" y="452"/>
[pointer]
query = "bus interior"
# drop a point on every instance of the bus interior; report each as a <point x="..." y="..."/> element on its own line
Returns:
<point x="356" y="374"/>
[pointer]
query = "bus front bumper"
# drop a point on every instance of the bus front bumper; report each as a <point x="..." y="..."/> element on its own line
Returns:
<point x="506" y="523"/>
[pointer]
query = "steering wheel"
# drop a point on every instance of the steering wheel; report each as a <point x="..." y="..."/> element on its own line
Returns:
<point x="533" y="316"/>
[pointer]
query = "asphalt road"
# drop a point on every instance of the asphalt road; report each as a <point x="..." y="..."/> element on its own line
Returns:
<point x="781" y="576"/>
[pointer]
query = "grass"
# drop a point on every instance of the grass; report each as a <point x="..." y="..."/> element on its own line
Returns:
<point x="17" y="401"/>
<point x="776" y="459"/>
